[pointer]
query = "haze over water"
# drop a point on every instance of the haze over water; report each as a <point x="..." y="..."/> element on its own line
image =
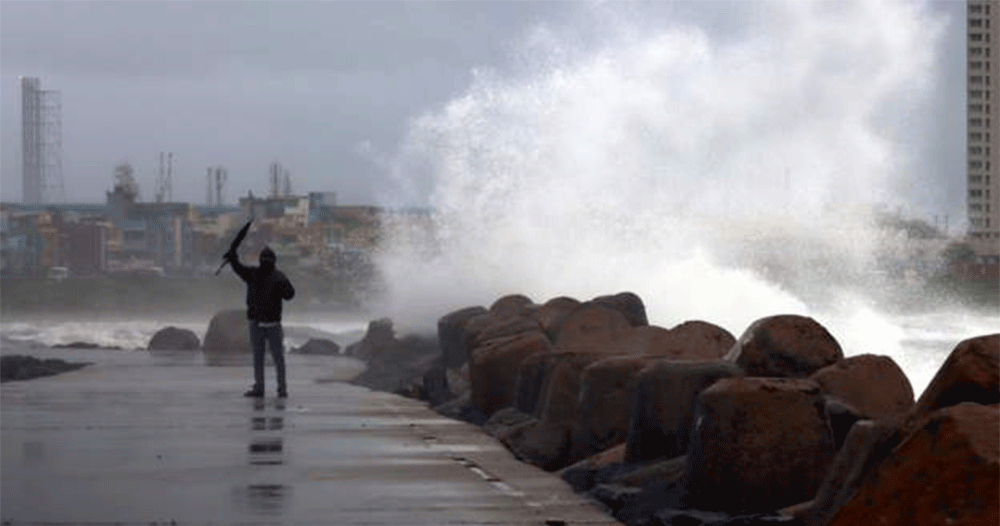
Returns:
<point x="721" y="179"/>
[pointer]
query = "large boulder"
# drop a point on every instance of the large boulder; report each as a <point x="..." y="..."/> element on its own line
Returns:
<point x="970" y="374"/>
<point x="395" y="365"/>
<point x="450" y="329"/>
<point x="318" y="346"/>
<point x="505" y="327"/>
<point x="663" y="415"/>
<point x="562" y="390"/>
<point x="866" y="445"/>
<point x="695" y="340"/>
<point x="228" y="332"/>
<point x="550" y="314"/>
<point x="946" y="472"/>
<point x="175" y="339"/>
<point x="691" y="340"/>
<point x="604" y="406"/>
<point x="788" y="346"/>
<point x="627" y="303"/>
<point x="511" y="305"/>
<point x="508" y="316"/>
<point x="591" y="328"/>
<point x="759" y="444"/>
<point x="503" y="421"/>
<point x="399" y="366"/>
<point x="494" y="368"/>
<point x="533" y="380"/>
<point x="873" y="385"/>
<point x="595" y="469"/>
<point x="545" y="442"/>
<point x="379" y="341"/>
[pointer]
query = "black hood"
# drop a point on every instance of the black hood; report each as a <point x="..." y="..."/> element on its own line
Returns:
<point x="267" y="258"/>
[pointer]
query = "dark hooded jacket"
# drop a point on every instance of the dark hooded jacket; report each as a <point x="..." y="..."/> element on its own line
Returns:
<point x="266" y="287"/>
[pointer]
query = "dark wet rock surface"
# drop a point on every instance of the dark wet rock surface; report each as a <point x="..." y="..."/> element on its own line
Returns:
<point x="21" y="367"/>
<point x="174" y="339"/>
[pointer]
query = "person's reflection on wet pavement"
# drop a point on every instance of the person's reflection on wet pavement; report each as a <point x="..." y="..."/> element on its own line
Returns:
<point x="266" y="495"/>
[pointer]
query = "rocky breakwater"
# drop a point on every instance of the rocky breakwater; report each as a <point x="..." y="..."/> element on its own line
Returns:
<point x="689" y="425"/>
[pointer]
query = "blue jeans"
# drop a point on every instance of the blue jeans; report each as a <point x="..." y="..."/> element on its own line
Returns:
<point x="272" y="335"/>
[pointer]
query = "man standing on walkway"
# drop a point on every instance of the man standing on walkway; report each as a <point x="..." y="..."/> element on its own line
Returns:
<point x="267" y="287"/>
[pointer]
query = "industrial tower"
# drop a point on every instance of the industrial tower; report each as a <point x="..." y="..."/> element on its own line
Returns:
<point x="41" y="143"/>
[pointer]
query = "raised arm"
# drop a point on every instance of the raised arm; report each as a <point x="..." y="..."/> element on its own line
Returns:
<point x="240" y="270"/>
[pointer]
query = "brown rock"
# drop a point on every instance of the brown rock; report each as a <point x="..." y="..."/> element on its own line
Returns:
<point x="533" y="380"/>
<point x="595" y="469"/>
<point x="559" y="401"/>
<point x="660" y="472"/>
<point x="505" y="327"/>
<point x="696" y="340"/>
<point x="511" y="305"/>
<point x="639" y="341"/>
<point x="543" y="444"/>
<point x="758" y="444"/>
<point x="493" y="371"/>
<point x="970" y="374"/>
<point x="867" y="444"/>
<point x="627" y="303"/>
<point x="507" y="316"/>
<point x="788" y="346"/>
<point x="470" y="332"/>
<point x="691" y="340"/>
<point x="604" y="407"/>
<point x="666" y="394"/>
<point x="947" y="472"/>
<point x="450" y="329"/>
<point x="553" y="312"/>
<point x="874" y="385"/>
<point x="591" y="328"/>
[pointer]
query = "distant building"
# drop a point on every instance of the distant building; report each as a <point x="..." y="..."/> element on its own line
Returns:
<point x="983" y="127"/>
<point x="41" y="143"/>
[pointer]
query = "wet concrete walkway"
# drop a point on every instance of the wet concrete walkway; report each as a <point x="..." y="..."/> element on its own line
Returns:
<point x="143" y="438"/>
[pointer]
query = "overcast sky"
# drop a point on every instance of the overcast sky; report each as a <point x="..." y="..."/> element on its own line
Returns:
<point x="326" y="88"/>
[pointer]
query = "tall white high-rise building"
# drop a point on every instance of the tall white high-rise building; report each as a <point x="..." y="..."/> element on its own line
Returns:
<point x="983" y="126"/>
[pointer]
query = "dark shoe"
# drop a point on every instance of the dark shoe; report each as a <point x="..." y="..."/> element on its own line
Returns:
<point x="254" y="393"/>
<point x="282" y="393"/>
